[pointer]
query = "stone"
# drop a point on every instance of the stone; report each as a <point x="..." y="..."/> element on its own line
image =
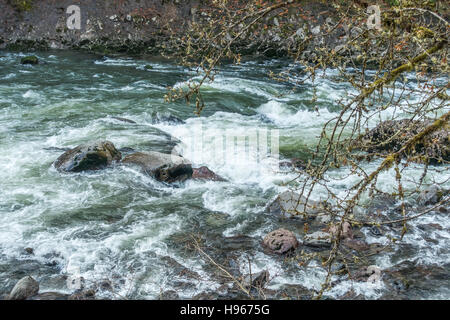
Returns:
<point x="29" y="60"/>
<point x="258" y="280"/>
<point x="290" y="204"/>
<point x="354" y="244"/>
<point x="158" y="117"/>
<point x="24" y="288"/>
<point x="435" y="148"/>
<point x="317" y="239"/>
<point x="346" y="231"/>
<point x="431" y="195"/>
<point x="91" y="156"/>
<point x="280" y="241"/>
<point x="204" y="173"/>
<point x="161" y="166"/>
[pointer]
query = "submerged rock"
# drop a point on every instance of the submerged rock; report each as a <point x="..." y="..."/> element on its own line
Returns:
<point x="92" y="156"/>
<point x="166" y="118"/>
<point x="24" y="288"/>
<point x="431" y="195"/>
<point x="163" y="167"/>
<point x="280" y="241"/>
<point x="290" y="204"/>
<point x="204" y="173"/>
<point x="29" y="60"/>
<point x="346" y="231"/>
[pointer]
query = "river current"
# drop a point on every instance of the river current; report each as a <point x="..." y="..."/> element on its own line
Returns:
<point x="121" y="225"/>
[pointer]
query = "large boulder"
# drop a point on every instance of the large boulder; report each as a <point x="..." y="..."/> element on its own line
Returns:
<point x="280" y="241"/>
<point x="24" y="288"/>
<point x="290" y="204"/>
<point x="391" y="135"/>
<point x="92" y="156"/>
<point x="163" y="167"/>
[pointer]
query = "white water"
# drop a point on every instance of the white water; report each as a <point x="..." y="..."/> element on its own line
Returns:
<point x="117" y="223"/>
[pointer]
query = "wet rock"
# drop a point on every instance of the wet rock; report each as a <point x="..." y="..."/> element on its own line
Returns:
<point x="29" y="251"/>
<point x="376" y="231"/>
<point x="258" y="280"/>
<point x="430" y="227"/>
<point x="169" y="295"/>
<point x="177" y="269"/>
<point x="431" y="195"/>
<point x="382" y="202"/>
<point x="294" y="163"/>
<point x="290" y="204"/>
<point x="413" y="280"/>
<point x="369" y="274"/>
<point x="323" y="218"/>
<point x="24" y="288"/>
<point x="345" y="233"/>
<point x="204" y="173"/>
<point x="280" y="241"/>
<point x="124" y="120"/>
<point x="354" y="244"/>
<point x="351" y="295"/>
<point x="82" y="294"/>
<point x="318" y="239"/>
<point x="50" y="296"/>
<point x="290" y="292"/>
<point x="92" y="156"/>
<point x="166" y="118"/>
<point x="163" y="167"/>
<point x="126" y="150"/>
<point x="29" y="60"/>
<point x="238" y="242"/>
<point x="434" y="148"/>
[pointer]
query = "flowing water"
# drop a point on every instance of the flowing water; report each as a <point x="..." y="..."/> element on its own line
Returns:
<point x="121" y="225"/>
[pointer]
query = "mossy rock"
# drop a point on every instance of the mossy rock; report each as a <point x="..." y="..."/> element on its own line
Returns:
<point x="148" y="67"/>
<point x="29" y="60"/>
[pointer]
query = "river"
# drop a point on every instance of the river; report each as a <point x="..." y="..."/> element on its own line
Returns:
<point x="120" y="225"/>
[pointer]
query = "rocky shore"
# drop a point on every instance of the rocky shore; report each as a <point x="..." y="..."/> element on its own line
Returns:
<point x="140" y="27"/>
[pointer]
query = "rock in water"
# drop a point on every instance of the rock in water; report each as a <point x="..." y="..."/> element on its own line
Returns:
<point x="318" y="239"/>
<point x="280" y="241"/>
<point x="93" y="156"/>
<point x="290" y="204"/>
<point x="163" y="167"/>
<point x="29" y="60"/>
<point x="24" y="288"/>
<point x="432" y="195"/>
<point x="390" y="136"/>
<point x="166" y="118"/>
<point x="205" y="174"/>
